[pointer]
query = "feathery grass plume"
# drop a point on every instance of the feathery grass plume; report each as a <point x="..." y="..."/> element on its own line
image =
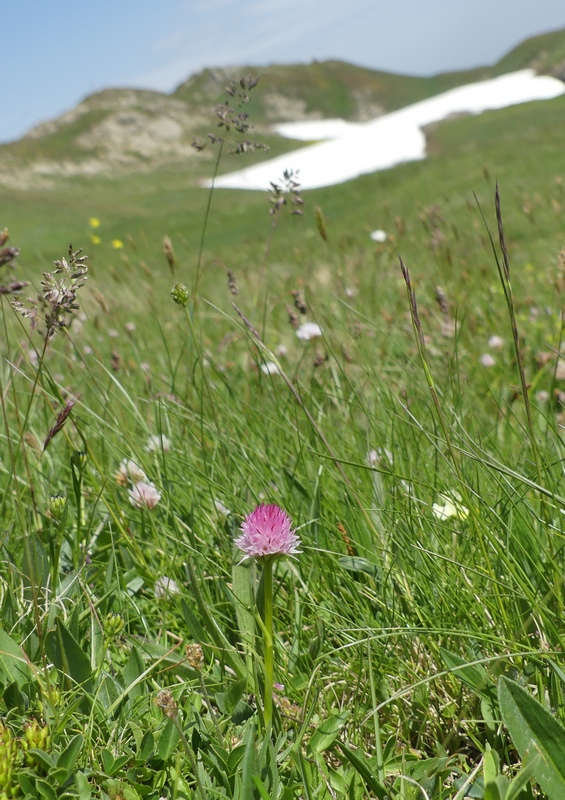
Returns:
<point x="285" y="192"/>
<point x="7" y="257"/>
<point x="57" y="300"/>
<point x="232" y="119"/>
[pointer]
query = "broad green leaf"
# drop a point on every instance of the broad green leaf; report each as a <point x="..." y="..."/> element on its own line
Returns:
<point x="13" y="662"/>
<point x="243" y="576"/>
<point x="364" y="770"/>
<point x="490" y="766"/>
<point x="534" y="730"/>
<point x="67" y="655"/>
<point x="326" y="733"/>
<point x="68" y="757"/>
<point x="83" y="786"/>
<point x="496" y="790"/>
<point x="474" y="676"/>
<point x="168" y="740"/>
<point x="45" y="789"/>
<point x="35" y="565"/>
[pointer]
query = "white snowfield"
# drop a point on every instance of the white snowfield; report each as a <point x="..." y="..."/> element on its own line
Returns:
<point x="354" y="149"/>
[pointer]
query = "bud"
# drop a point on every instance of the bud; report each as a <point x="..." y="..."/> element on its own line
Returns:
<point x="8" y="755"/>
<point x="78" y="459"/>
<point x="180" y="294"/>
<point x="57" y="506"/>
<point x="113" y="625"/>
<point x="35" y="736"/>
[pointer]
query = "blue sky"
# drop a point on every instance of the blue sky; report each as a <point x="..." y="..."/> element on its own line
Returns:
<point x="55" y="52"/>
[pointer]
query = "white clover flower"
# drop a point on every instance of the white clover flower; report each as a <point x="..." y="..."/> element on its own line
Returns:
<point x="129" y="472"/>
<point x="281" y="350"/>
<point x="496" y="342"/>
<point x="144" y="495"/>
<point x="309" y="330"/>
<point x="270" y="368"/>
<point x="158" y="444"/>
<point x="378" y="235"/>
<point x="450" y="507"/>
<point x="165" y="587"/>
<point x="487" y="360"/>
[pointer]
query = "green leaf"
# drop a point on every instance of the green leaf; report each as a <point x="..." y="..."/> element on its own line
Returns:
<point x="248" y="766"/>
<point x="474" y="676"/>
<point x="168" y="740"/>
<point x="83" y="786"/>
<point x="364" y="770"/>
<point x="496" y="790"/>
<point x="35" y="565"/>
<point x="41" y="757"/>
<point x="67" y="655"/>
<point x="13" y="662"/>
<point x="242" y="581"/>
<point x="45" y="789"/>
<point x="326" y="733"/>
<point x="534" y="730"/>
<point x="68" y="757"/>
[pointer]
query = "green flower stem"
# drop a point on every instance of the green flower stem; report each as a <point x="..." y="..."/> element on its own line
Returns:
<point x="268" y="642"/>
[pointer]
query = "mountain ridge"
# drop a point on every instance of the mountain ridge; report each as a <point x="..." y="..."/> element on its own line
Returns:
<point x="121" y="130"/>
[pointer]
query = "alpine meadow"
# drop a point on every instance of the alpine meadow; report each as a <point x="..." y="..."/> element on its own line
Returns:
<point x="282" y="491"/>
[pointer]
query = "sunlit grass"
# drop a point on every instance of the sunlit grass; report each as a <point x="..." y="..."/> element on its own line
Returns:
<point x="428" y="504"/>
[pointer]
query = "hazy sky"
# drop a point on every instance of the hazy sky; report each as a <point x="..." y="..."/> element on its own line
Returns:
<point x="55" y="52"/>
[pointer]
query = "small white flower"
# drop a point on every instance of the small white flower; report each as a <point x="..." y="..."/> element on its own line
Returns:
<point x="450" y="506"/>
<point x="270" y="368"/>
<point x="496" y="342"/>
<point x="378" y="236"/>
<point x="113" y="333"/>
<point x="165" y="586"/>
<point x="130" y="472"/>
<point x="221" y="508"/>
<point x="309" y="330"/>
<point x="542" y="396"/>
<point x="130" y="327"/>
<point x="144" y="495"/>
<point x="87" y="350"/>
<point x="158" y="444"/>
<point x="281" y="350"/>
<point x="350" y="292"/>
<point x="487" y="360"/>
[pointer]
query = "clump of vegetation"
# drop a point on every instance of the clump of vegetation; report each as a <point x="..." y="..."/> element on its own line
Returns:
<point x="397" y="432"/>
